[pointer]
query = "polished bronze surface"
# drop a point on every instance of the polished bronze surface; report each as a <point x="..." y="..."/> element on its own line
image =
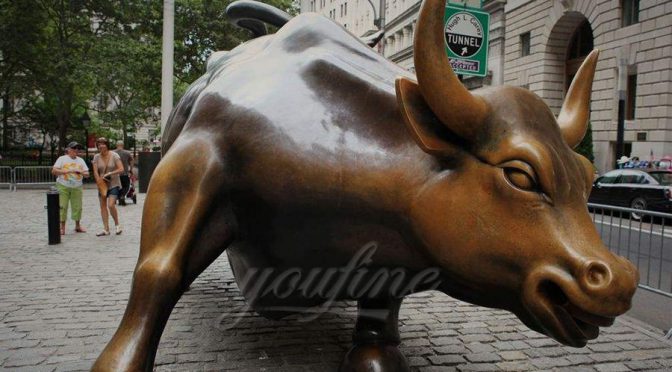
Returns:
<point x="296" y="154"/>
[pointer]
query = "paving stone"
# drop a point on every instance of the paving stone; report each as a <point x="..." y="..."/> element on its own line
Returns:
<point x="483" y="357"/>
<point x="447" y="360"/>
<point x="485" y="367"/>
<point x="417" y="361"/>
<point x="477" y="338"/>
<point x="437" y="369"/>
<point x="599" y="348"/>
<point x="440" y="341"/>
<point x="512" y="345"/>
<point x="477" y="347"/>
<point x="515" y="366"/>
<point x="548" y="363"/>
<point x="18" y="344"/>
<point x="23" y="361"/>
<point x="452" y="349"/>
<point x="577" y="359"/>
<point x="512" y="355"/>
<point x="442" y="333"/>
<point x="60" y="305"/>
<point x="642" y="365"/>
<point x="41" y="368"/>
<point x="612" y="367"/>
<point x="542" y="342"/>
<point x="574" y="369"/>
<point x="509" y="336"/>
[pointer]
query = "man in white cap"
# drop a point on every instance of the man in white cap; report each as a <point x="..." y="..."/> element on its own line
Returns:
<point x="622" y="161"/>
<point x="71" y="170"/>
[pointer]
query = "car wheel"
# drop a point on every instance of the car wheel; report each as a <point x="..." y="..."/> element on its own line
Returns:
<point x="637" y="203"/>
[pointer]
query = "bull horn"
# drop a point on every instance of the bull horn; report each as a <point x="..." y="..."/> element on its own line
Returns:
<point x="573" y="118"/>
<point x="458" y="109"/>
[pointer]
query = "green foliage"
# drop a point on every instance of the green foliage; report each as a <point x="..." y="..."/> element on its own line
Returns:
<point x="59" y="58"/>
<point x="48" y="44"/>
<point x="201" y="28"/>
<point x="585" y="148"/>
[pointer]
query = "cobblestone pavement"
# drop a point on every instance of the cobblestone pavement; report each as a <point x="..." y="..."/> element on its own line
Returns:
<point x="59" y="305"/>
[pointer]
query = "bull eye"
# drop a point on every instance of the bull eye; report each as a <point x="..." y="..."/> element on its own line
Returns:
<point x="520" y="179"/>
<point x="521" y="175"/>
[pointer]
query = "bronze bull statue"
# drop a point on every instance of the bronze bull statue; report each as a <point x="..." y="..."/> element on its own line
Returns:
<point x="297" y="149"/>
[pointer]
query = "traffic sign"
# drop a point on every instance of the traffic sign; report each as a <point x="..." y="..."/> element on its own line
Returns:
<point x="466" y="39"/>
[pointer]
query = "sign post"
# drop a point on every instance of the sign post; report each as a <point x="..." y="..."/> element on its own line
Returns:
<point x="466" y="39"/>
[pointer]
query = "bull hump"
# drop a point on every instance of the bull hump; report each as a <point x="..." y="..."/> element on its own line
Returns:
<point x="311" y="36"/>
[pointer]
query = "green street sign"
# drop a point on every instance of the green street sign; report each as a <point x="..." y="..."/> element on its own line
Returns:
<point x="466" y="39"/>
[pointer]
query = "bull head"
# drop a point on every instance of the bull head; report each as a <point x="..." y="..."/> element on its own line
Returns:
<point x="507" y="218"/>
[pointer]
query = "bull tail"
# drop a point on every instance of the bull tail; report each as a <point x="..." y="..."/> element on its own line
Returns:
<point x="254" y="16"/>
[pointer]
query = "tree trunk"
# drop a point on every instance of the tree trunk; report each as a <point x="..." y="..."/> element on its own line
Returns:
<point x="5" y="120"/>
<point x="64" y="116"/>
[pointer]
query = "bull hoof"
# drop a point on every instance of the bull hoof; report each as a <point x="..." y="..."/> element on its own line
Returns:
<point x="374" y="358"/>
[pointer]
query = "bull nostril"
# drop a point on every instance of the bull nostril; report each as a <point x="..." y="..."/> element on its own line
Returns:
<point x="598" y="275"/>
<point x="553" y="293"/>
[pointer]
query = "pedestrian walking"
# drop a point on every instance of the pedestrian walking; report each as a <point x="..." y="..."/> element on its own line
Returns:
<point x="71" y="170"/>
<point x="127" y="161"/>
<point x="106" y="169"/>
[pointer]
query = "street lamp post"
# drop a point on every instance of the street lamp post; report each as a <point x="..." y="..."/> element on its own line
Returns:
<point x="620" y="129"/>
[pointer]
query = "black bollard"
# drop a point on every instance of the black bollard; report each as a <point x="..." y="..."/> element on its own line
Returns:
<point x="147" y="162"/>
<point x="53" y="218"/>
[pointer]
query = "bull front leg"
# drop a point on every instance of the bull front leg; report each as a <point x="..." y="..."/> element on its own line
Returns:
<point x="376" y="338"/>
<point x="184" y="228"/>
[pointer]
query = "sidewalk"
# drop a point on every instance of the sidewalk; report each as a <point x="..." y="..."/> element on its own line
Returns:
<point x="59" y="305"/>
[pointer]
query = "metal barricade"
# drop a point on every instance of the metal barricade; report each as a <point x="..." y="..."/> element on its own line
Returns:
<point x="33" y="176"/>
<point x="7" y="177"/>
<point x="641" y="236"/>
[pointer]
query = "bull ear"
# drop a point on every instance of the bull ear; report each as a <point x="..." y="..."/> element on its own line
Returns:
<point x="573" y="118"/>
<point x="427" y="130"/>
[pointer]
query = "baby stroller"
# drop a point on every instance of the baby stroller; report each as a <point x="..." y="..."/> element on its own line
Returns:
<point x="131" y="189"/>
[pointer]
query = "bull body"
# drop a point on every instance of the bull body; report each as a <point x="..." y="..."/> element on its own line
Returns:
<point x="321" y="162"/>
<point x="298" y="151"/>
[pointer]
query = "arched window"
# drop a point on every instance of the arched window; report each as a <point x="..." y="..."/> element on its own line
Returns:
<point x="580" y="46"/>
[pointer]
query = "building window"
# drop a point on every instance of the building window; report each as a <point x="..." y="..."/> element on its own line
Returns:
<point x="629" y="12"/>
<point x="630" y="97"/>
<point x="525" y="44"/>
<point x="345" y="9"/>
<point x="581" y="43"/>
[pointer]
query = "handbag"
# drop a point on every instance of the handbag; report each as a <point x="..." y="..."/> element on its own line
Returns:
<point x="102" y="183"/>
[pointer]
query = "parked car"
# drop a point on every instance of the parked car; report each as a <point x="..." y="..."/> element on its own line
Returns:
<point x="637" y="189"/>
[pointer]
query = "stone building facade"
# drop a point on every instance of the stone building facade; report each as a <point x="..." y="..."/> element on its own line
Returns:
<point x="539" y="44"/>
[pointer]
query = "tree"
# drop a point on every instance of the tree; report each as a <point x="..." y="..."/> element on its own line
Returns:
<point x="21" y="30"/>
<point x="59" y="57"/>
<point x="54" y="58"/>
<point x="201" y="28"/>
<point x="585" y="148"/>
<point x="129" y="80"/>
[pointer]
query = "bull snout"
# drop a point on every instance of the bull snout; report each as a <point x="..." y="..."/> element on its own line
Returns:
<point x="614" y="282"/>
<point x="571" y="302"/>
